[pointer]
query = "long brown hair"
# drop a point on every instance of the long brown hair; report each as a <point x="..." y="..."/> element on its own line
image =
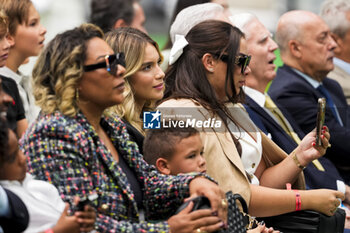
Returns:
<point x="186" y="78"/>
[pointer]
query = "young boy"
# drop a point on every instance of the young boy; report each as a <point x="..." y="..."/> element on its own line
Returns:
<point x="47" y="211"/>
<point x="174" y="150"/>
<point x="26" y="36"/>
<point x="14" y="112"/>
<point x="180" y="150"/>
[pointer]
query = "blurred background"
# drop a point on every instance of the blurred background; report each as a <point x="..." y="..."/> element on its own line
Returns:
<point x="60" y="15"/>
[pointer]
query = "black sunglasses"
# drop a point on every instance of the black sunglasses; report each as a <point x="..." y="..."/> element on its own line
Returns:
<point x="111" y="63"/>
<point x="241" y="60"/>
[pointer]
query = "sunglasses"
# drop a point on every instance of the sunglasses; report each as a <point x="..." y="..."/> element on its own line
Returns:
<point x="241" y="60"/>
<point x="111" y="63"/>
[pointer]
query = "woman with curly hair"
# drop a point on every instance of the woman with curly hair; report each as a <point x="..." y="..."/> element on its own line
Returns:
<point x="85" y="152"/>
<point x="143" y="77"/>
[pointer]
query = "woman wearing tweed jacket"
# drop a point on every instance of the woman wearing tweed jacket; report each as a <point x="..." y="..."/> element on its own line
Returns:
<point x="82" y="151"/>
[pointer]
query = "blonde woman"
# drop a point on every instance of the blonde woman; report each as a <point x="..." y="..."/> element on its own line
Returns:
<point x="143" y="77"/>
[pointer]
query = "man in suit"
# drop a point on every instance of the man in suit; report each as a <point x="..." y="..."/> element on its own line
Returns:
<point x="307" y="50"/>
<point x="284" y="131"/>
<point x="336" y="13"/>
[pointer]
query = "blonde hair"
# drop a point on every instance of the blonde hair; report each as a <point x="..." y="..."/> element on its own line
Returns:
<point x="60" y="67"/>
<point x="4" y="23"/>
<point x="132" y="43"/>
<point x="17" y="11"/>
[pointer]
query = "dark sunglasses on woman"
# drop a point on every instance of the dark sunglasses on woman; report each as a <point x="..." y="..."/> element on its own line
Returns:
<point x="241" y="60"/>
<point x="110" y="62"/>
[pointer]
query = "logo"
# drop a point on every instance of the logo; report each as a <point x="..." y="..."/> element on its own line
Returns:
<point x="151" y="120"/>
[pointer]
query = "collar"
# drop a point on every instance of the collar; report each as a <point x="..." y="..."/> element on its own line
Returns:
<point x="7" y="72"/>
<point x="257" y="96"/>
<point x="310" y="80"/>
<point x="342" y="64"/>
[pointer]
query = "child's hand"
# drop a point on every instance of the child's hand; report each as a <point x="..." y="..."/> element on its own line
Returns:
<point x="86" y="218"/>
<point x="187" y="222"/>
<point x="66" y="223"/>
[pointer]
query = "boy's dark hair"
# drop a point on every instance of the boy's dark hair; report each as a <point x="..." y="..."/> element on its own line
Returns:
<point x="4" y="141"/>
<point x="104" y="13"/>
<point x="160" y="143"/>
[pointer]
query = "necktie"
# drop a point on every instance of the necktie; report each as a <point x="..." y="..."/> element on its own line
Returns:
<point x="283" y="122"/>
<point x="330" y="103"/>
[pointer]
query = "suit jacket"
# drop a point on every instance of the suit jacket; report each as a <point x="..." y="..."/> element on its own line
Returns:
<point x="314" y="178"/>
<point x="294" y="94"/>
<point x="67" y="152"/>
<point x="222" y="159"/>
<point x="343" y="78"/>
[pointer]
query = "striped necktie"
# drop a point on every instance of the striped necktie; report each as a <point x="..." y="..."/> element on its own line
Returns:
<point x="283" y="122"/>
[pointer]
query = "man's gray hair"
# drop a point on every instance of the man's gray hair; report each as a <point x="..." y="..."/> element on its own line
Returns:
<point x="242" y="20"/>
<point x="193" y="15"/>
<point x="333" y="13"/>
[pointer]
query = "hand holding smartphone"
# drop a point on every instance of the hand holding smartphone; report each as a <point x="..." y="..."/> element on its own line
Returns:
<point x="86" y="200"/>
<point x="320" y="119"/>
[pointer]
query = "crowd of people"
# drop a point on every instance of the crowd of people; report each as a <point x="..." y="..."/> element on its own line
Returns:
<point x="76" y="156"/>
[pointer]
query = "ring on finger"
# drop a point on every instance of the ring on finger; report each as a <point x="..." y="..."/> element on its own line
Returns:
<point x="200" y="231"/>
<point x="224" y="203"/>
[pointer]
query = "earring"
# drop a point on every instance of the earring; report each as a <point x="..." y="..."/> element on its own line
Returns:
<point x="76" y="94"/>
<point x="211" y="70"/>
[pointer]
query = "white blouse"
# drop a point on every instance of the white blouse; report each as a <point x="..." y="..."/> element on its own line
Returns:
<point x="251" y="150"/>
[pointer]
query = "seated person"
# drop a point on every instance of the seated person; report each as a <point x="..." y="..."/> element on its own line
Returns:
<point x="45" y="206"/>
<point x="178" y="150"/>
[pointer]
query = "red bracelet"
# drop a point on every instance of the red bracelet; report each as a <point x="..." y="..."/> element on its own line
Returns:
<point x="49" y="231"/>
<point x="297" y="197"/>
<point x="297" y="200"/>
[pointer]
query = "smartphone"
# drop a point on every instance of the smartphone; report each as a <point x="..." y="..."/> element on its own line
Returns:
<point x="320" y="119"/>
<point x="85" y="201"/>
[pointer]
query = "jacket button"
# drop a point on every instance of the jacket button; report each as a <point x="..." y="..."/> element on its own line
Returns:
<point x="104" y="207"/>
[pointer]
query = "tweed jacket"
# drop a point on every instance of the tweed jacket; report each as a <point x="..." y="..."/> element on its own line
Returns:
<point x="222" y="159"/>
<point x="67" y="152"/>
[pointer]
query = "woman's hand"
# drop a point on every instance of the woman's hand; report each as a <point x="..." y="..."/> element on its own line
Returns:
<point x="307" y="150"/>
<point x="262" y="229"/>
<point x="201" y="186"/>
<point x="188" y="222"/>
<point x="325" y="201"/>
<point x="66" y="223"/>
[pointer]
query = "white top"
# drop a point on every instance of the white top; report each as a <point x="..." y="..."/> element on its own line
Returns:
<point x="24" y="86"/>
<point x="251" y="150"/>
<point x="42" y="200"/>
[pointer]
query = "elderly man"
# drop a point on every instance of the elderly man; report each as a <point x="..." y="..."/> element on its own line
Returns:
<point x="280" y="125"/>
<point x="336" y="13"/>
<point x="307" y="50"/>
